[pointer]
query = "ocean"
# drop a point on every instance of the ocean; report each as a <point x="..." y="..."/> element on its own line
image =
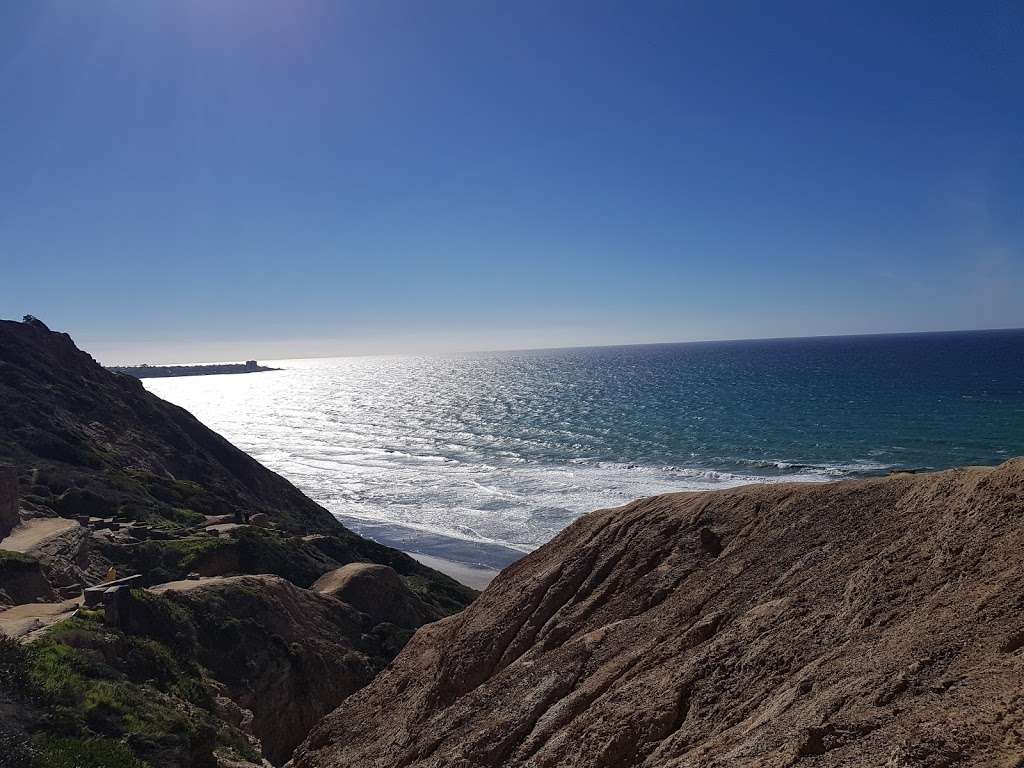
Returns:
<point x="480" y="458"/>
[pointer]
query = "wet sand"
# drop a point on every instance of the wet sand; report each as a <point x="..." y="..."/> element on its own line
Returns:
<point x="477" y="577"/>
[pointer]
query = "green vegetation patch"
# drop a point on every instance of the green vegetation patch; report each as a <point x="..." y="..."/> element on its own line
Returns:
<point x="85" y="753"/>
<point x="171" y="559"/>
<point x="190" y="551"/>
<point x="14" y="672"/>
<point x="166" y="489"/>
<point x="263" y="551"/>
<point x="109" y="698"/>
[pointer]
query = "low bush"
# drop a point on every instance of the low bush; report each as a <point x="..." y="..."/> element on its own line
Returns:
<point x="86" y="753"/>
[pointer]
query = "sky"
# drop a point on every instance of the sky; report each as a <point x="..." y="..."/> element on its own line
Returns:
<point x="226" y="179"/>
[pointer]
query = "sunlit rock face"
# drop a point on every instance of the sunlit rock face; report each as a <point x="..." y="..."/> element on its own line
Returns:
<point x="862" y="623"/>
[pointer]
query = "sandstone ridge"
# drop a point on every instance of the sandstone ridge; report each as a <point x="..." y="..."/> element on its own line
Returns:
<point x="867" y="623"/>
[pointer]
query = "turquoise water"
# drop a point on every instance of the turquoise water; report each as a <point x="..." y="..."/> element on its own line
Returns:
<point x="482" y="457"/>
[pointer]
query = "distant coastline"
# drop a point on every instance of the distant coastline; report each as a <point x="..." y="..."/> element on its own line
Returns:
<point x="146" y="371"/>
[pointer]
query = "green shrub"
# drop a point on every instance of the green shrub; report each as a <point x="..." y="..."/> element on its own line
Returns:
<point x="14" y="661"/>
<point x="86" y="753"/>
<point x="166" y="489"/>
<point x="104" y="707"/>
<point x="97" y="684"/>
<point x="76" y="502"/>
<point x="261" y="551"/>
<point x="174" y="559"/>
<point x="164" y="620"/>
<point x="54" y="672"/>
<point x="146" y="659"/>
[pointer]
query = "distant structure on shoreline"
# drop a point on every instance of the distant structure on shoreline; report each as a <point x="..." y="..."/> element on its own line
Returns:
<point x="146" y="371"/>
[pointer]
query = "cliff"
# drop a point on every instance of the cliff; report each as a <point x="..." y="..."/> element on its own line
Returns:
<point x="120" y="449"/>
<point x="158" y="492"/>
<point x="217" y="654"/>
<point x="869" y="623"/>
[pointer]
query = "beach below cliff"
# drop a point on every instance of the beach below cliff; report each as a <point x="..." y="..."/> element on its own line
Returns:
<point x="476" y="577"/>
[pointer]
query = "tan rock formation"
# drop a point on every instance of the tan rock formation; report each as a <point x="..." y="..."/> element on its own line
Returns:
<point x="378" y="591"/>
<point x="870" y="623"/>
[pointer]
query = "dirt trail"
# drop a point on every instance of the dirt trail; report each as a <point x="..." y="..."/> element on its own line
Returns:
<point x="187" y="585"/>
<point x="24" y="621"/>
<point x="31" y="533"/>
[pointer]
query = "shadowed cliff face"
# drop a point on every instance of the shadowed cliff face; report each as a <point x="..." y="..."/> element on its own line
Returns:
<point x="81" y="426"/>
<point x="869" y="623"/>
<point x="285" y="654"/>
<point x="90" y="443"/>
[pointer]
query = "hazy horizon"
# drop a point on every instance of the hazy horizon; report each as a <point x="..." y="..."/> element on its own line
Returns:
<point x="244" y="350"/>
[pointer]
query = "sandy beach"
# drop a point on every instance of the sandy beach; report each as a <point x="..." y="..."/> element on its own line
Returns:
<point x="477" y="577"/>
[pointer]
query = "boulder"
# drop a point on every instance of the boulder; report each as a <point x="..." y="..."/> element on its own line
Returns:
<point x="376" y="590"/>
<point x="64" y="554"/>
<point x="22" y="580"/>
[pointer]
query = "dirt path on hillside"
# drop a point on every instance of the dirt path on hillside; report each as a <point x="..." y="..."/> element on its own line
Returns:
<point x="22" y="621"/>
<point x="32" y="532"/>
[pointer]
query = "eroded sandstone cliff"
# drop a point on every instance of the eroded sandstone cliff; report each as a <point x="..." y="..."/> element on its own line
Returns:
<point x="869" y="623"/>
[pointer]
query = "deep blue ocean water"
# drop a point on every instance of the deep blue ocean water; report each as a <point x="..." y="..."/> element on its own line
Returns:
<point x="479" y="457"/>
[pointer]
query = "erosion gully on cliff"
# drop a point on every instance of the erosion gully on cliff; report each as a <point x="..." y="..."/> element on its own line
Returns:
<point x="866" y="623"/>
<point x="254" y="612"/>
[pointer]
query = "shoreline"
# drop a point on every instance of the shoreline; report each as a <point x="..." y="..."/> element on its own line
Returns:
<point x="473" y="576"/>
<point x="472" y="563"/>
<point x="483" y="554"/>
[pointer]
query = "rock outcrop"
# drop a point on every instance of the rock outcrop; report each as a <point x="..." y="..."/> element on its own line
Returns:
<point x="53" y="553"/>
<point x="22" y="580"/>
<point x="869" y="623"/>
<point x="287" y="655"/>
<point x="64" y="554"/>
<point x="99" y="444"/>
<point x="94" y="446"/>
<point x="377" y="591"/>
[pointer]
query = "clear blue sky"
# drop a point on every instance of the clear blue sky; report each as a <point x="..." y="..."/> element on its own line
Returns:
<point x="212" y="179"/>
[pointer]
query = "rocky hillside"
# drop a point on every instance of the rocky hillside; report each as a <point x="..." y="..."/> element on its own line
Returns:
<point x="869" y="623"/>
<point x="98" y="443"/>
<point x="251" y="611"/>
<point x="157" y="492"/>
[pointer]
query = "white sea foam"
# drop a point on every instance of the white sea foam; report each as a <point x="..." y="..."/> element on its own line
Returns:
<point x="391" y="443"/>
